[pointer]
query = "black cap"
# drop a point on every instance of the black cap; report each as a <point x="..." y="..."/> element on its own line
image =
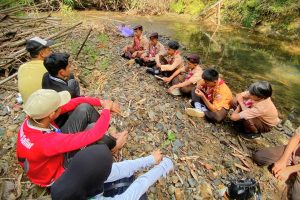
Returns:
<point x="193" y="58"/>
<point x="173" y="45"/>
<point x="155" y="35"/>
<point x="37" y="43"/>
<point x="138" y="27"/>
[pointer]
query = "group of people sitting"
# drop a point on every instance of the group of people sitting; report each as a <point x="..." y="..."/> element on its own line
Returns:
<point x="210" y="95"/>
<point x="64" y="144"/>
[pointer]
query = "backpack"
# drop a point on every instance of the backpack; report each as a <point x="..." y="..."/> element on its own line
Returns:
<point x="244" y="189"/>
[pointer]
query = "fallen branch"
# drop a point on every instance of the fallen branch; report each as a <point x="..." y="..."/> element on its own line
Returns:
<point x="82" y="45"/>
<point x="242" y="167"/>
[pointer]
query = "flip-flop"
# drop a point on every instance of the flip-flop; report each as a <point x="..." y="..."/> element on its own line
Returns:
<point x="194" y="112"/>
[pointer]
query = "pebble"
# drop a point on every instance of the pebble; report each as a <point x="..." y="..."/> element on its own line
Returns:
<point x="179" y="115"/>
<point x="174" y="179"/>
<point x="171" y="189"/>
<point x="192" y="182"/>
<point x="2" y="131"/>
<point x="176" y="145"/>
<point x="205" y="190"/>
<point x="13" y="127"/>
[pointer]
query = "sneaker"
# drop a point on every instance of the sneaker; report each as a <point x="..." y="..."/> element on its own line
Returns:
<point x="249" y="136"/>
<point x="193" y="112"/>
<point x="152" y="71"/>
<point x="139" y="61"/>
<point x="192" y="103"/>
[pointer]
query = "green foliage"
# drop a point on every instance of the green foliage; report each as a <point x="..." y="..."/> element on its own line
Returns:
<point x="177" y="6"/>
<point x="66" y="10"/>
<point x="191" y="7"/>
<point x="171" y="138"/>
<point x="69" y="3"/>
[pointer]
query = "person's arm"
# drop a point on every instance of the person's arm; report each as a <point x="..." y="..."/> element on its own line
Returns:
<point x="177" y="62"/>
<point x="240" y="99"/>
<point x="73" y="103"/>
<point x="58" y="143"/>
<point x="209" y="105"/>
<point x="235" y="115"/>
<point x="169" y="79"/>
<point x="282" y="162"/>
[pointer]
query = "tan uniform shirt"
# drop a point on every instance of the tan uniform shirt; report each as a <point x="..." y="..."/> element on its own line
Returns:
<point x="265" y="110"/>
<point x="194" y="75"/>
<point x="30" y="77"/>
<point x="160" y="49"/>
<point x="144" y="42"/>
<point x="175" y="64"/>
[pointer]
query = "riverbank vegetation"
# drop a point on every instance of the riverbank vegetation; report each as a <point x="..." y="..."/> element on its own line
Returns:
<point x="271" y="17"/>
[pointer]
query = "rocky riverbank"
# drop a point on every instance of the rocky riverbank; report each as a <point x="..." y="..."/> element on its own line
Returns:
<point x="207" y="156"/>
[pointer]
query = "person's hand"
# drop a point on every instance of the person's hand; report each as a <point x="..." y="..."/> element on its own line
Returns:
<point x="134" y="54"/>
<point x="199" y="93"/>
<point x="158" y="65"/>
<point x="107" y="104"/>
<point x="116" y="108"/>
<point x="125" y="49"/>
<point x="279" y="165"/>
<point x="171" y="89"/>
<point x="284" y="174"/>
<point x="157" y="156"/>
<point x="167" y="80"/>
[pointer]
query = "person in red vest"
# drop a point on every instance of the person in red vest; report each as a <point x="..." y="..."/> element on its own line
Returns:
<point x="42" y="147"/>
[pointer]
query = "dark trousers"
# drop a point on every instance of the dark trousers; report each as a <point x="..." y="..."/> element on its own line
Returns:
<point x="217" y="116"/>
<point x="254" y="125"/>
<point x="82" y="118"/>
<point x="269" y="156"/>
<point x="184" y="90"/>
<point x="85" y="175"/>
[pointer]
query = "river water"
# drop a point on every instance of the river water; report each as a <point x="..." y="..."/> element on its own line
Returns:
<point x="240" y="55"/>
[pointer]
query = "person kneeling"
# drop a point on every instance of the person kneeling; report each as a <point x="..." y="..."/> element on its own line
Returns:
<point x="186" y="77"/>
<point x="211" y="98"/>
<point x="168" y="63"/>
<point x="139" y="45"/>
<point x="283" y="162"/>
<point x="256" y="109"/>
<point x="155" y="48"/>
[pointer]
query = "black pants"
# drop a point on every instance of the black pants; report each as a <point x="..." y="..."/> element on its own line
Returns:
<point x="82" y="118"/>
<point x="85" y="175"/>
<point x="217" y="116"/>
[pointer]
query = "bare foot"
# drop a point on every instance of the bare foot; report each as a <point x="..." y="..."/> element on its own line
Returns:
<point x="121" y="139"/>
<point x="157" y="156"/>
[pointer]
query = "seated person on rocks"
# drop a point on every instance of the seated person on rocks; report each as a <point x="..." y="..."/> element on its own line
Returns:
<point x="30" y="74"/>
<point x="92" y="167"/>
<point x="139" y="45"/>
<point x="59" y="77"/>
<point x="256" y="109"/>
<point x="186" y="77"/>
<point x="84" y="126"/>
<point x="211" y="98"/>
<point x="283" y="162"/>
<point x="41" y="147"/>
<point x="155" y="48"/>
<point x="168" y="63"/>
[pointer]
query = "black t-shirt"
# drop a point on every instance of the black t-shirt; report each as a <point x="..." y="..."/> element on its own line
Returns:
<point x="57" y="84"/>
